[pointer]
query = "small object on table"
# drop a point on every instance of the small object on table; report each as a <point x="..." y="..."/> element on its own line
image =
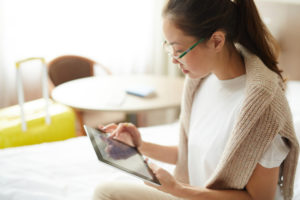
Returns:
<point x="141" y="91"/>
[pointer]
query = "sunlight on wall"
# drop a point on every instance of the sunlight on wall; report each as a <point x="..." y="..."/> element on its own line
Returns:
<point x="116" y="33"/>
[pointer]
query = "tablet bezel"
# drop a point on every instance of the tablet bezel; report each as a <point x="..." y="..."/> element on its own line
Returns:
<point x="90" y="134"/>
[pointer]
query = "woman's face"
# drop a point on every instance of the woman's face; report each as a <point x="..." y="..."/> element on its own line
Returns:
<point x="198" y="62"/>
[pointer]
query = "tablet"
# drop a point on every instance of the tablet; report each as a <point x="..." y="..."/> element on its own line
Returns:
<point x="120" y="155"/>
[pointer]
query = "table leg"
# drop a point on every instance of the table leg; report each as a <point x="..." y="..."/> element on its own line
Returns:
<point x="79" y="116"/>
<point x="132" y="118"/>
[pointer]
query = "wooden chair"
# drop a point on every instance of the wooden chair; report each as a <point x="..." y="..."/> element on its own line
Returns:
<point x="69" y="67"/>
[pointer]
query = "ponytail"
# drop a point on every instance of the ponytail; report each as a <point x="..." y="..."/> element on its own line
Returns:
<point x="238" y="18"/>
<point x="253" y="34"/>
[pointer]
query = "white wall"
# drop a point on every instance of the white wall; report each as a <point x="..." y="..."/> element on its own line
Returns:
<point x="116" y="33"/>
<point x="2" y="87"/>
<point x="283" y="19"/>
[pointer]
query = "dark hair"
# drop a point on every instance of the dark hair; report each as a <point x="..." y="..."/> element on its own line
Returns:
<point x="239" y="19"/>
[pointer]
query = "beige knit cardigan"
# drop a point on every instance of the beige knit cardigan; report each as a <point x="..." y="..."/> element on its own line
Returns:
<point x="265" y="112"/>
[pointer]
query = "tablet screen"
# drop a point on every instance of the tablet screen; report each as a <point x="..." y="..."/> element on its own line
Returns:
<point x="119" y="155"/>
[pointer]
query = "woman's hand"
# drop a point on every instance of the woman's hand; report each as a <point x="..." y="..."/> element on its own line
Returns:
<point x="124" y="132"/>
<point x="168" y="183"/>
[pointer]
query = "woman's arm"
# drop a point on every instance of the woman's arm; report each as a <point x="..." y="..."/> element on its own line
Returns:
<point x="261" y="186"/>
<point x="167" y="154"/>
<point x="263" y="183"/>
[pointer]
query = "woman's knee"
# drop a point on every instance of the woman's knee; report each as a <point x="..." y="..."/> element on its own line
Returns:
<point x="129" y="191"/>
<point x="104" y="192"/>
<point x="121" y="191"/>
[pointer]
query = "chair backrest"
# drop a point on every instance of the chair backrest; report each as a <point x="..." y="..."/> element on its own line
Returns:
<point x="69" y="67"/>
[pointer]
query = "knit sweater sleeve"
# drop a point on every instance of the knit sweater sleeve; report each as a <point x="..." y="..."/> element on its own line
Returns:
<point x="181" y="169"/>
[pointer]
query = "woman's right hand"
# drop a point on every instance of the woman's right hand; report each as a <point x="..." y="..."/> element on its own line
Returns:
<point x="124" y="132"/>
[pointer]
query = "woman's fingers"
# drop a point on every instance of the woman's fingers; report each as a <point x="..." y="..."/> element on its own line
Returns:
<point x="135" y="134"/>
<point x="133" y="131"/>
<point x="167" y="181"/>
<point x="118" y="130"/>
<point x="101" y="127"/>
<point x="125" y="130"/>
<point x="120" y="134"/>
<point x="108" y="128"/>
<point x="153" y="167"/>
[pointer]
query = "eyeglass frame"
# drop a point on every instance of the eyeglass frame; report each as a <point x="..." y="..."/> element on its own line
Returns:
<point x="185" y="52"/>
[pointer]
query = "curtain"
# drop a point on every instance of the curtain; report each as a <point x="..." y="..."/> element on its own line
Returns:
<point x="3" y="100"/>
<point x="125" y="36"/>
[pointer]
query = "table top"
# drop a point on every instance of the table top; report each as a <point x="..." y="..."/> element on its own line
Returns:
<point x="108" y="93"/>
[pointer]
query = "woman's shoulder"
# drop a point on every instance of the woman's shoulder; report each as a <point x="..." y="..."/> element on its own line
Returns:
<point x="259" y="77"/>
<point x="264" y="88"/>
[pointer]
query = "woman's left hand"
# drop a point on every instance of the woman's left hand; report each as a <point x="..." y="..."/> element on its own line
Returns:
<point x="168" y="183"/>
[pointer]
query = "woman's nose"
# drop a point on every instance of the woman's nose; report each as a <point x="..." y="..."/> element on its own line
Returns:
<point x="175" y="61"/>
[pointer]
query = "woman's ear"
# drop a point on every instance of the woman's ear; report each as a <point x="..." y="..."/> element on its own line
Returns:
<point x="217" y="40"/>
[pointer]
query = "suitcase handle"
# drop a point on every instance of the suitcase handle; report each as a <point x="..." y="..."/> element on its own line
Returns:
<point x="21" y="93"/>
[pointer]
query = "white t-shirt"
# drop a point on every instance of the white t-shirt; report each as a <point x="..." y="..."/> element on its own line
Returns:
<point x="214" y="111"/>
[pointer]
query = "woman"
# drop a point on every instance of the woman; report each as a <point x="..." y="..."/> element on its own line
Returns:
<point x="236" y="137"/>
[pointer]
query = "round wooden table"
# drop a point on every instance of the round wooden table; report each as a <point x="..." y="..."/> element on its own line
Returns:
<point x="108" y="93"/>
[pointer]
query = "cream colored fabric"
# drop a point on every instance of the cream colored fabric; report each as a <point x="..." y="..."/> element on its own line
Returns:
<point x="129" y="191"/>
<point x="265" y="112"/>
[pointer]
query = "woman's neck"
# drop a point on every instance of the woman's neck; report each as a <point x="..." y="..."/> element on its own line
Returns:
<point x="230" y="64"/>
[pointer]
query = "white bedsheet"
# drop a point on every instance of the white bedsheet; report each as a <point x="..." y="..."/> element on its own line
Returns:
<point x="69" y="170"/>
<point x="66" y="170"/>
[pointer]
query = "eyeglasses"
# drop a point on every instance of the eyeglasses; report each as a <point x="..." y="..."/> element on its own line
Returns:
<point x="169" y="49"/>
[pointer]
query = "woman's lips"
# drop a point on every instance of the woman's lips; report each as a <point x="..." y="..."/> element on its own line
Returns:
<point x="184" y="70"/>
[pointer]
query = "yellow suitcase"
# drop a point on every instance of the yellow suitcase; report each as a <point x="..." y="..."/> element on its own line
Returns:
<point x="36" y="121"/>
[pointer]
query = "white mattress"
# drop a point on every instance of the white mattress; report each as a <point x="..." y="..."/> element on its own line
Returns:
<point x="65" y="170"/>
<point x="69" y="170"/>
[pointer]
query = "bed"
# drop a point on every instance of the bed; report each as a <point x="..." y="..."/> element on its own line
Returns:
<point x="69" y="170"/>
